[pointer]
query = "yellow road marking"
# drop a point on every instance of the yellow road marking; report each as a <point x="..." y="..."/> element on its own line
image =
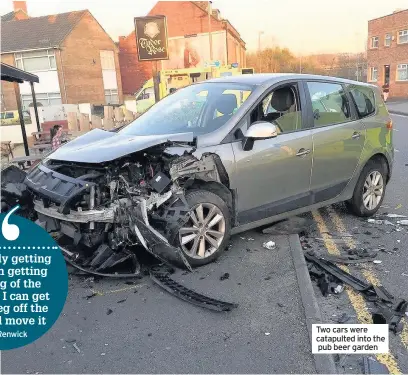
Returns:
<point x="357" y="301"/>
<point x="367" y="270"/>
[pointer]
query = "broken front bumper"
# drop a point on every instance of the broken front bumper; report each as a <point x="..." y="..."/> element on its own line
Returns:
<point x="91" y="232"/>
<point x="104" y="257"/>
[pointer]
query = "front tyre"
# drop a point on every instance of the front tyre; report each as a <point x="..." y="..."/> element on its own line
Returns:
<point x="369" y="191"/>
<point x="205" y="235"/>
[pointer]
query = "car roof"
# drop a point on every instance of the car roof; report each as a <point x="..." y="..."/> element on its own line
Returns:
<point x="271" y="78"/>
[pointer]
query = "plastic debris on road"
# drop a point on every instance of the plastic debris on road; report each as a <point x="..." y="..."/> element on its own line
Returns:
<point x="374" y="221"/>
<point x="269" y="245"/>
<point x="403" y="222"/>
<point x="396" y="216"/>
<point x="377" y="261"/>
<point x="338" y="289"/>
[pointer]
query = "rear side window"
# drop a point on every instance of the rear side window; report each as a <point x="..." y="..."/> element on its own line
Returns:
<point x="364" y="99"/>
<point x="329" y="103"/>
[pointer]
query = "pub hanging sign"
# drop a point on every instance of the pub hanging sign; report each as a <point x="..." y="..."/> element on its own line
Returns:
<point x="151" y="38"/>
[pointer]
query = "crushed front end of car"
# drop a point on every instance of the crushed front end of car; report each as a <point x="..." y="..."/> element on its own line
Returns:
<point x="103" y="211"/>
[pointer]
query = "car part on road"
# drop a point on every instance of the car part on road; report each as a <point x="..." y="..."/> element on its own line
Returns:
<point x="117" y="275"/>
<point x="163" y="280"/>
<point x="391" y="316"/>
<point x="327" y="283"/>
<point x="389" y="310"/>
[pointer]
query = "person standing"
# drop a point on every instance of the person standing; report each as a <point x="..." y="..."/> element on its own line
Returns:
<point x="386" y="90"/>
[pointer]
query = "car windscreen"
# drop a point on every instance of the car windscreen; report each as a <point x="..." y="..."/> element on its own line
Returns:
<point x="200" y="109"/>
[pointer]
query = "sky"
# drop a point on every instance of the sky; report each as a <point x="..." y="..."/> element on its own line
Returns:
<point x="305" y="27"/>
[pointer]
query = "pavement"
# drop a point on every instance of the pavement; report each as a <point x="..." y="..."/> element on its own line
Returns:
<point x="399" y="107"/>
<point x="140" y="328"/>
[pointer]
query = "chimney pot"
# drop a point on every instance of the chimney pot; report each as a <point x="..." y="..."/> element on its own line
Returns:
<point x="20" y="5"/>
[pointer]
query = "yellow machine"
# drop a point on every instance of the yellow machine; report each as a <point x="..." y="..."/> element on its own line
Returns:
<point x="174" y="79"/>
<point x="12" y="117"/>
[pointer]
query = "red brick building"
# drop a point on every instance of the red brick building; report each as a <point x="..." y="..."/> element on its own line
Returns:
<point x="184" y="19"/>
<point x="387" y="52"/>
<point x="75" y="59"/>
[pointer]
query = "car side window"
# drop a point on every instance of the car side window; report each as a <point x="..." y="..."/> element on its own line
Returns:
<point x="329" y="103"/>
<point x="364" y="99"/>
<point x="9" y="115"/>
<point x="280" y="107"/>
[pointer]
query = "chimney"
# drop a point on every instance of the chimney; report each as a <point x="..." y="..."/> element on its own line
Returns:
<point x="20" y="5"/>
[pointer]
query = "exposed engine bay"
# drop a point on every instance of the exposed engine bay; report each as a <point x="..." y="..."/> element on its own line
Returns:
<point x="102" y="213"/>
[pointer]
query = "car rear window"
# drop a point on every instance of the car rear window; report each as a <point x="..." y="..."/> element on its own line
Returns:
<point x="364" y="99"/>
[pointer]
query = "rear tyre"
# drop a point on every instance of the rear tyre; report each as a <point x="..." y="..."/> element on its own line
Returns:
<point x="369" y="191"/>
<point x="204" y="236"/>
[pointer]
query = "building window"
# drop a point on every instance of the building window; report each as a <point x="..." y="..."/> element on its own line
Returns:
<point x="387" y="40"/>
<point x="111" y="97"/>
<point x="107" y="60"/>
<point x="374" y="42"/>
<point x="373" y="74"/>
<point x="45" y="99"/>
<point x="403" y="36"/>
<point x="36" y="61"/>
<point x="402" y="72"/>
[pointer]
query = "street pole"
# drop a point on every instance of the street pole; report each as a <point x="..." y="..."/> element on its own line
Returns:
<point x="209" y="30"/>
<point x="35" y="106"/>
<point x="300" y="63"/>
<point x="259" y="51"/>
<point x="20" y="114"/>
<point x="156" y="81"/>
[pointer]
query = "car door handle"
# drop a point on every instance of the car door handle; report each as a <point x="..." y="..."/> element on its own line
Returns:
<point x="303" y="152"/>
<point x="356" y="135"/>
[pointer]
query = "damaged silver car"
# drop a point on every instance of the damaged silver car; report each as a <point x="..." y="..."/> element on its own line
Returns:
<point x="212" y="159"/>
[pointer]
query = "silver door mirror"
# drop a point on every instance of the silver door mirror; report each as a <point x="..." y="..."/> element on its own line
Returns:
<point x="258" y="130"/>
<point x="262" y="130"/>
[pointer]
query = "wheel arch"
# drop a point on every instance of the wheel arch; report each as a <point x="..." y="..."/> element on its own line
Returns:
<point x="219" y="189"/>
<point x="381" y="158"/>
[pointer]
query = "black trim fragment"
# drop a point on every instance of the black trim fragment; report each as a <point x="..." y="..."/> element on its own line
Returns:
<point x="163" y="280"/>
<point x="389" y="309"/>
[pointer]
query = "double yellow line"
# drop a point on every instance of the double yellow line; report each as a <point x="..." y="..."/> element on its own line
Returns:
<point x="356" y="299"/>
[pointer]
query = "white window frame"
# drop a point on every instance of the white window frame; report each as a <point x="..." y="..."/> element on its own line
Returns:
<point x="107" y="59"/>
<point x="19" y="58"/>
<point x="388" y="38"/>
<point x="372" y="69"/>
<point x="403" y="67"/>
<point x="375" y="40"/>
<point x="404" y="34"/>
<point x="111" y="92"/>
<point x="44" y="98"/>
